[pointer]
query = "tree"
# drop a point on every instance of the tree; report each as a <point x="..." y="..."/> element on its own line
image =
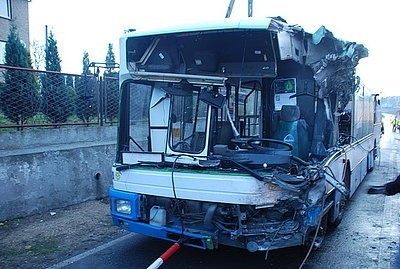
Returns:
<point x="52" y="58"/>
<point x="19" y="97"/>
<point x="69" y="83"/>
<point x="86" y="103"/>
<point x="38" y="54"/>
<point x="86" y="63"/>
<point x="110" y="58"/>
<point x="111" y="95"/>
<point x="56" y="101"/>
<point x="111" y="86"/>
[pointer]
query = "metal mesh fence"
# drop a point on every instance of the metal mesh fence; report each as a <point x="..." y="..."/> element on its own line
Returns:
<point x="32" y="98"/>
<point x="111" y="97"/>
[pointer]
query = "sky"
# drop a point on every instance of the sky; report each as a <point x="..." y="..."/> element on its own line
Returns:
<point x="89" y="25"/>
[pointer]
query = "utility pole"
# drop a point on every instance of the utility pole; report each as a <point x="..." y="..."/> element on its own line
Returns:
<point x="229" y="10"/>
<point x="249" y="8"/>
<point x="46" y="33"/>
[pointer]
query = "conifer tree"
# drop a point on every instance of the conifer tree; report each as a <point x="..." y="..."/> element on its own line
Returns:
<point x="111" y="86"/>
<point x="55" y="95"/>
<point x="85" y="86"/>
<point x="19" y="97"/>
<point x="86" y="64"/>
<point x="110" y="58"/>
<point x="69" y="83"/>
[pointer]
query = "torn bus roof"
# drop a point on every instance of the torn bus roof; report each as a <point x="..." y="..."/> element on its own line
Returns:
<point x="333" y="62"/>
<point x="253" y="52"/>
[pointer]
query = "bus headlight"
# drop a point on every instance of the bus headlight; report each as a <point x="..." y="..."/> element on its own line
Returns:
<point x="123" y="206"/>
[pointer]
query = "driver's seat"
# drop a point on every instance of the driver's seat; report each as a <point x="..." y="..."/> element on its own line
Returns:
<point x="293" y="130"/>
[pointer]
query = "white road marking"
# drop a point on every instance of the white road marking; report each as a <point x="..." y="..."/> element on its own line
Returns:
<point x="90" y="252"/>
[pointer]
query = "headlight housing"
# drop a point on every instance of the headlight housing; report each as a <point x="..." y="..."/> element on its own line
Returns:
<point x="123" y="207"/>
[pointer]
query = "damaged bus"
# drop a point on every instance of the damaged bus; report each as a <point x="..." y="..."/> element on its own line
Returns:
<point x="249" y="133"/>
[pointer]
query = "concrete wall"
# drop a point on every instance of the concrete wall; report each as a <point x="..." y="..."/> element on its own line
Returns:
<point x="51" y="168"/>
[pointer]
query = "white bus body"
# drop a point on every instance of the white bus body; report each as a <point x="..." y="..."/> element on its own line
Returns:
<point x="249" y="133"/>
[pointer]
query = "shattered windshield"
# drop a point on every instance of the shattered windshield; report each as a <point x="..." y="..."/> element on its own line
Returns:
<point x="188" y="123"/>
<point x="139" y="100"/>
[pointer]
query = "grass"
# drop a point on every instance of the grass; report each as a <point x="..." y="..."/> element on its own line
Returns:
<point x="4" y="120"/>
<point x="9" y="251"/>
<point x="43" y="247"/>
<point x="39" y="118"/>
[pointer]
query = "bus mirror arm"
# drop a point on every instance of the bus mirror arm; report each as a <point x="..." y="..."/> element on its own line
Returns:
<point x="337" y="185"/>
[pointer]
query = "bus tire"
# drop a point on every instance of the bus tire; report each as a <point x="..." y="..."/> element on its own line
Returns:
<point x="371" y="161"/>
<point x="316" y="235"/>
<point x="339" y="200"/>
<point x="336" y="216"/>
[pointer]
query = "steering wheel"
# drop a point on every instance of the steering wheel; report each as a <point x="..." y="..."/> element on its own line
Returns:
<point x="251" y="143"/>
<point x="184" y="143"/>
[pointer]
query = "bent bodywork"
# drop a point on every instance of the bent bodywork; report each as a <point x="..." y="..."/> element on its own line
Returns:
<point x="235" y="132"/>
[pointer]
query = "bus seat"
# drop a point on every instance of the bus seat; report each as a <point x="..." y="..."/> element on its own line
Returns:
<point x="293" y="130"/>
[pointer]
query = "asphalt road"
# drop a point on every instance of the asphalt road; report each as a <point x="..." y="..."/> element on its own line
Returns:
<point x="368" y="236"/>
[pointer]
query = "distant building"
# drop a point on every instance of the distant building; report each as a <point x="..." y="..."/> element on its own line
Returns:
<point x="13" y="11"/>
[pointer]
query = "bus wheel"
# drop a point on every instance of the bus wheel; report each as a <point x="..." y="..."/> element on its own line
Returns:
<point x="337" y="211"/>
<point x="339" y="200"/>
<point x="371" y="161"/>
<point x="317" y="235"/>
